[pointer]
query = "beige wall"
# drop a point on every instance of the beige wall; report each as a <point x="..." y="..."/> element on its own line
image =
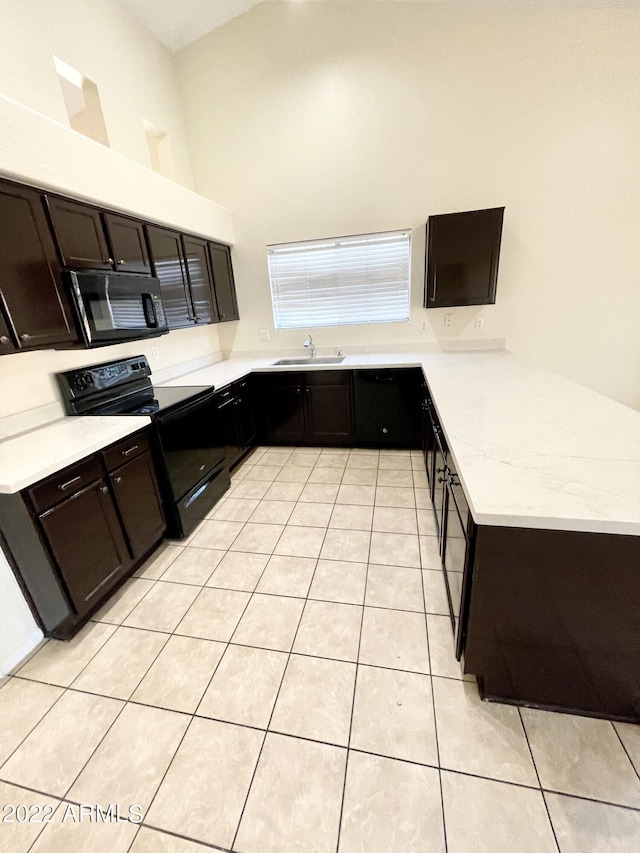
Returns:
<point x="310" y="120"/>
<point x="135" y="77"/>
<point x="134" y="73"/>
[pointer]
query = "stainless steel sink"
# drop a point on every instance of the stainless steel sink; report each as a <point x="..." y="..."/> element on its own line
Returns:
<point x="329" y="359"/>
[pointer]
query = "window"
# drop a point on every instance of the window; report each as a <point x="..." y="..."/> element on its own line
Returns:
<point x="344" y="281"/>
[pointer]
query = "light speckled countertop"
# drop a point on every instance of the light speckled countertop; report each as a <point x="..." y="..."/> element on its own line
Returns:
<point x="33" y="455"/>
<point x="532" y="448"/>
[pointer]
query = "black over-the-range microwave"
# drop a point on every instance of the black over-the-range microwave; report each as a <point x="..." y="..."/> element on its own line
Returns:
<point x="113" y="307"/>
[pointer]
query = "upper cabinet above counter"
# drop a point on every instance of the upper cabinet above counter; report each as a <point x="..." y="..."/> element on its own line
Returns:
<point x="463" y="250"/>
<point x="41" y="234"/>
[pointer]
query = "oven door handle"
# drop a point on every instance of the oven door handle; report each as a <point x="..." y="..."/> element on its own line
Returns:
<point x="149" y="309"/>
<point x="183" y="409"/>
<point x="226" y="403"/>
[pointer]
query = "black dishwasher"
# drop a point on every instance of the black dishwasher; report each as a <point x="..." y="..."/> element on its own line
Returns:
<point x="387" y="407"/>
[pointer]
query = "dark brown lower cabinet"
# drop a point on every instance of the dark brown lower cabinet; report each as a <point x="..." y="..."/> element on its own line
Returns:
<point x="73" y="537"/>
<point x="235" y="407"/>
<point x="328" y="407"/>
<point x="305" y="408"/>
<point x="553" y="620"/>
<point x="545" y="618"/>
<point x="139" y="503"/>
<point x="280" y="408"/>
<point x="87" y="543"/>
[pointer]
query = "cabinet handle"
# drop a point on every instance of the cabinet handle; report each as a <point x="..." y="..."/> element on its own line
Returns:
<point x="435" y="285"/>
<point x="202" y="467"/>
<point x="108" y="261"/>
<point x="297" y="390"/>
<point x="118" y="479"/>
<point x="130" y="450"/>
<point x="222" y="316"/>
<point x="25" y="338"/>
<point x="104" y="489"/>
<point x="440" y="470"/>
<point x="441" y="479"/>
<point x="120" y="263"/>
<point x="4" y="340"/>
<point x="64" y="486"/>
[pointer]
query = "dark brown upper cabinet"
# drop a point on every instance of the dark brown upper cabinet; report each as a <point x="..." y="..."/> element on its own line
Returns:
<point x="34" y="311"/>
<point x="128" y="243"/>
<point x="200" y="279"/>
<point x="223" y="282"/>
<point x="80" y="234"/>
<point x="168" y="264"/>
<point x="463" y="250"/>
<point x="89" y="238"/>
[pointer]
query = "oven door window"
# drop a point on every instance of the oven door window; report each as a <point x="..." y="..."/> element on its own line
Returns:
<point x="192" y="444"/>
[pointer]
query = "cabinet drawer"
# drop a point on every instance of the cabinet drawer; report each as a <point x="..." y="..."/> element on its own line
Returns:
<point x="54" y="489"/>
<point x="125" y="450"/>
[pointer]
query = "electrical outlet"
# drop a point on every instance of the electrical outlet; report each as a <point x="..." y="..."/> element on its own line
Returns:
<point x="447" y="319"/>
<point x="263" y="335"/>
<point x="423" y="326"/>
<point x="479" y="322"/>
<point x="155" y="353"/>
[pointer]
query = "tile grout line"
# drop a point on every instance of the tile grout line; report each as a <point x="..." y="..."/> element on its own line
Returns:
<point x="615" y="729"/>
<point x="267" y="729"/>
<point x="353" y="699"/>
<point x="193" y="715"/>
<point x="433" y="703"/>
<point x="535" y="767"/>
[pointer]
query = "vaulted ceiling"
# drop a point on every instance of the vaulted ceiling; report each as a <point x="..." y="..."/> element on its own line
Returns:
<point x="178" y="23"/>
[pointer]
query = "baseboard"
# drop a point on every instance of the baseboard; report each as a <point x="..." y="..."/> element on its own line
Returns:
<point x="6" y="666"/>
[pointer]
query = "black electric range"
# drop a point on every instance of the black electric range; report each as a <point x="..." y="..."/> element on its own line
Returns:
<point x="186" y="433"/>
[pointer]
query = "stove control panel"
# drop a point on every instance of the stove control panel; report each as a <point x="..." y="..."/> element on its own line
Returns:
<point x="97" y="379"/>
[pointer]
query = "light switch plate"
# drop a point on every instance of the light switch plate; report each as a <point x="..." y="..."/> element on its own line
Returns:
<point x="263" y="335"/>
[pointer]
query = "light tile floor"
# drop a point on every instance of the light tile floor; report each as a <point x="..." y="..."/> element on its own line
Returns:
<point x="285" y="681"/>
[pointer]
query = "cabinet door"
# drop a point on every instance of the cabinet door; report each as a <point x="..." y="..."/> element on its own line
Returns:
<point x="282" y="409"/>
<point x="439" y="484"/>
<point x="200" y="280"/>
<point x="139" y="503"/>
<point x="86" y="540"/>
<point x="432" y="427"/>
<point x="128" y="242"/>
<point x="223" y="282"/>
<point x="245" y="420"/>
<point x="79" y="231"/>
<point x="328" y="400"/>
<point x="453" y="556"/>
<point x="32" y="293"/>
<point x="462" y="258"/>
<point x="168" y="265"/>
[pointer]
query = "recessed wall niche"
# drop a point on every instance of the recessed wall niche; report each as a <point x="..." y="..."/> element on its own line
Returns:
<point x="159" y="150"/>
<point x="82" y="101"/>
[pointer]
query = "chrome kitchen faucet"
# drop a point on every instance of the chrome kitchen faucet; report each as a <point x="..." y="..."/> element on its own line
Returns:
<point x="309" y="343"/>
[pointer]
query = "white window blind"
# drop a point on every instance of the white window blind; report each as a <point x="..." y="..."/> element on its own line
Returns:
<point x="341" y="282"/>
